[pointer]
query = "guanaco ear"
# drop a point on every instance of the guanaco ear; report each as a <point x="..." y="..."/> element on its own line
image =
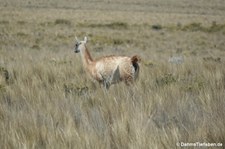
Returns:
<point x="85" y="39"/>
<point x="76" y="39"/>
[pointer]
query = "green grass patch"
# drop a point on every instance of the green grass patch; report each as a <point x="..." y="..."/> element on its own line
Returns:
<point x="165" y="79"/>
<point x="21" y="22"/>
<point x="63" y="22"/>
<point x="107" y="40"/>
<point x="35" y="47"/>
<point x="4" y="73"/>
<point x="157" y="27"/>
<point x="194" y="85"/>
<point x="212" y="59"/>
<point x="74" y="89"/>
<point x="48" y="24"/>
<point x="4" y="22"/>
<point x="194" y="27"/>
<point x="113" y="25"/>
<point x="2" y="88"/>
<point x="21" y="34"/>
<point x="216" y="27"/>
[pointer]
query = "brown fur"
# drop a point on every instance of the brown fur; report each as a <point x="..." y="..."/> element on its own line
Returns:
<point x="88" y="55"/>
<point x="135" y="59"/>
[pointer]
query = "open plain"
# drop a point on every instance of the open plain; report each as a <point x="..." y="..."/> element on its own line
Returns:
<point x="47" y="100"/>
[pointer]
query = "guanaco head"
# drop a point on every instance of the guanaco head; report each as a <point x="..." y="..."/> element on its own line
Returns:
<point x="80" y="44"/>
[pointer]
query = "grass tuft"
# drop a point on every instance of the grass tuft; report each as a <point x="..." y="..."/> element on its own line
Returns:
<point x="62" y="22"/>
<point x="4" y="73"/>
<point x="166" y="79"/>
<point x="74" y="89"/>
<point x="157" y="27"/>
<point x="193" y="27"/>
<point x="216" y="27"/>
<point x="210" y="58"/>
<point x="21" y="34"/>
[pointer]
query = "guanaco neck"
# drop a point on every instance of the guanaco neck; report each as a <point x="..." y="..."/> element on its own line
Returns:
<point x="86" y="56"/>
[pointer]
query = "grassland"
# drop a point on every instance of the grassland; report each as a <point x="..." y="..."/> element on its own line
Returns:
<point x="47" y="101"/>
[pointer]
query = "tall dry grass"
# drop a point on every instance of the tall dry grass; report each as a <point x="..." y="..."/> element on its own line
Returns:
<point x="49" y="104"/>
<point x="47" y="101"/>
